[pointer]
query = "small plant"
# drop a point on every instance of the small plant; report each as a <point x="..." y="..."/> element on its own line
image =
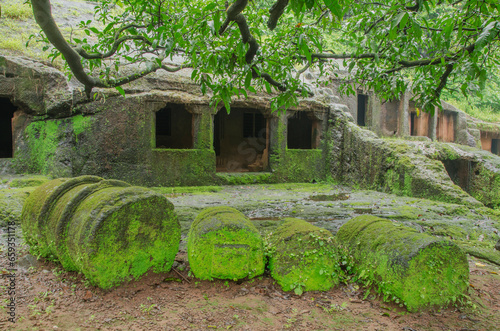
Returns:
<point x="291" y="320"/>
<point x="50" y="308"/>
<point x="335" y="308"/>
<point x="147" y="309"/>
<point x="34" y="310"/>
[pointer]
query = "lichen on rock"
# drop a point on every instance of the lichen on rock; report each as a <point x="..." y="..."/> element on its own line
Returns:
<point x="224" y="244"/>
<point x="406" y="266"/>
<point x="303" y="257"/>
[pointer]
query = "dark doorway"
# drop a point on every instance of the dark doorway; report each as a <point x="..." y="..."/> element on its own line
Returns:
<point x="7" y="110"/>
<point x="362" y="107"/>
<point x="241" y="140"/>
<point x="460" y="172"/>
<point x="412" y="124"/>
<point x="174" y="127"/>
<point x="495" y="146"/>
<point x="299" y="134"/>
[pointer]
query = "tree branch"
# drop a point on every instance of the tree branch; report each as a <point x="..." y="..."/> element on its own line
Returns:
<point x="275" y="13"/>
<point x="43" y="16"/>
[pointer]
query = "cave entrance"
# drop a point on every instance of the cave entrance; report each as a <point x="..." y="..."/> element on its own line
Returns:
<point x="302" y="131"/>
<point x="241" y="140"/>
<point x="174" y="127"/>
<point x="7" y="110"/>
<point x="460" y="172"/>
<point x="362" y="108"/>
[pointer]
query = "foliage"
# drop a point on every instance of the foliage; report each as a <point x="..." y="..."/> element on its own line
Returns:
<point x="486" y="105"/>
<point x="232" y="50"/>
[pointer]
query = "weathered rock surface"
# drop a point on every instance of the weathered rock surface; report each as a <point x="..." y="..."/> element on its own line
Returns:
<point x="412" y="268"/>
<point x="358" y="156"/>
<point x="36" y="88"/>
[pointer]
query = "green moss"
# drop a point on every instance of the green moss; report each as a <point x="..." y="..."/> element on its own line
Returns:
<point x="109" y="231"/>
<point x="205" y="134"/>
<point x="113" y="244"/>
<point x="11" y="205"/>
<point x="244" y="178"/>
<point x="81" y="124"/>
<point x="38" y="207"/>
<point x="187" y="189"/>
<point x="303" y="257"/>
<point x="407" y="213"/>
<point x="29" y="181"/>
<point x="43" y="138"/>
<point x="485" y="186"/>
<point x="411" y="268"/>
<point x="185" y="167"/>
<point x="481" y="250"/>
<point x="299" y="165"/>
<point x="224" y="244"/>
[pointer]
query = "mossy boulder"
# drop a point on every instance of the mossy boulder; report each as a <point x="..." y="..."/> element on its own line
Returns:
<point x="411" y="268"/>
<point x="110" y="231"/>
<point x="224" y="244"/>
<point x="303" y="257"/>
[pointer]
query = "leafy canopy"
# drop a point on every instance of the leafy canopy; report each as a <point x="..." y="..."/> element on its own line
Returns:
<point x="389" y="46"/>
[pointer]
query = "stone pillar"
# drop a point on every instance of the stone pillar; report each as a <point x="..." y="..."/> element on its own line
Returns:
<point x="278" y="132"/>
<point x="152" y="108"/>
<point x="404" y="115"/>
<point x="433" y="119"/>
<point x="203" y="125"/>
<point x="374" y="114"/>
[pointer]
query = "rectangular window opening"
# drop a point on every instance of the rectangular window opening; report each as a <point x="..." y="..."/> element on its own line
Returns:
<point x="300" y="131"/>
<point x="174" y="127"/>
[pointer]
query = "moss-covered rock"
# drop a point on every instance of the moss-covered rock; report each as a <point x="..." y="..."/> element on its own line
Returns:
<point x="107" y="229"/>
<point x="29" y="181"/>
<point x="412" y="268"/>
<point x="224" y="244"/>
<point x="303" y="257"/>
<point x="39" y="205"/>
<point x="60" y="216"/>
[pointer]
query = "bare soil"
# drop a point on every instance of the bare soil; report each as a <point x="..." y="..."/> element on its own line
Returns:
<point x="49" y="298"/>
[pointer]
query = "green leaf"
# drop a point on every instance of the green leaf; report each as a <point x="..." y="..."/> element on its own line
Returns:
<point x="417" y="30"/>
<point x="121" y="90"/>
<point x="210" y="6"/>
<point x="248" y="79"/>
<point x="335" y="8"/>
<point x="268" y="87"/>
<point x="298" y="290"/>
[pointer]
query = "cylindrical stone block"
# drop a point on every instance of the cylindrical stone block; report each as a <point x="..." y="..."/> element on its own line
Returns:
<point x="303" y="257"/>
<point x="412" y="268"/>
<point x="110" y="231"/>
<point x="224" y="244"/>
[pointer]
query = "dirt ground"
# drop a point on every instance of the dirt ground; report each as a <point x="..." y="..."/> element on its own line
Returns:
<point x="48" y="298"/>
